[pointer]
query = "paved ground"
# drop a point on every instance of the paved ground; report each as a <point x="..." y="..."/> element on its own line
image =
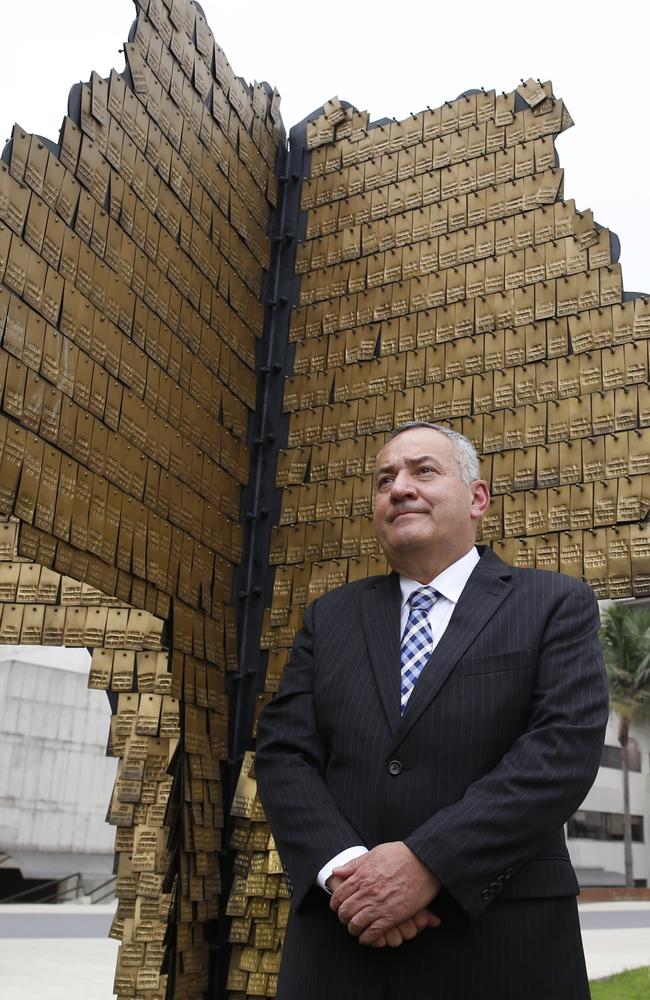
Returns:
<point x="62" y="953"/>
<point x="56" y="953"/>
<point x="616" y="936"/>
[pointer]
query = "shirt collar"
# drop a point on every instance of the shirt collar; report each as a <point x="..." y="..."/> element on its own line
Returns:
<point x="449" y="583"/>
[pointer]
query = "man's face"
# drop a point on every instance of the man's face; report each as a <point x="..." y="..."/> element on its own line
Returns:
<point x="421" y="505"/>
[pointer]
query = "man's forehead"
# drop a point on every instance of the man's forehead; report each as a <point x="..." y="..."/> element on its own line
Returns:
<point x="419" y="442"/>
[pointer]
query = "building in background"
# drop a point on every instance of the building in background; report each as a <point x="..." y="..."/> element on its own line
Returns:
<point x="595" y="832"/>
<point x="55" y="778"/>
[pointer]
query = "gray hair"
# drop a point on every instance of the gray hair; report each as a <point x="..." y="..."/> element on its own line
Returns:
<point x="466" y="455"/>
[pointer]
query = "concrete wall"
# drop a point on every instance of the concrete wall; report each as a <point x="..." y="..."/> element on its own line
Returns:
<point x="55" y="780"/>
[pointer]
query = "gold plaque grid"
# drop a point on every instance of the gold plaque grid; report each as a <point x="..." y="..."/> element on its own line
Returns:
<point x="443" y="277"/>
<point x="132" y="258"/>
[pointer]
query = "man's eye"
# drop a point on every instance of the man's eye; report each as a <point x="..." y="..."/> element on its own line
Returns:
<point x="385" y="480"/>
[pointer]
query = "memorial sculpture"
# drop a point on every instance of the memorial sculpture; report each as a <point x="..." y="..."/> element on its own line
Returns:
<point x="206" y="336"/>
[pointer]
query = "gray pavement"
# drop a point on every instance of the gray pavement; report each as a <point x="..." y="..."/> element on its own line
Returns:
<point x="58" y="925"/>
<point x="74" y="960"/>
<point x="616" y="936"/>
<point x="591" y="920"/>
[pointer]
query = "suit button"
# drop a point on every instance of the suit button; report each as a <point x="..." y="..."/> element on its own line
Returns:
<point x="486" y="895"/>
<point x="394" y="767"/>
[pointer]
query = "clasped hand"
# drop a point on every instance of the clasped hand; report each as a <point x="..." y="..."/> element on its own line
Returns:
<point x="382" y="896"/>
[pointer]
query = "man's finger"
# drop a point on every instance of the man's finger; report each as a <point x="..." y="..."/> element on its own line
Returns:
<point x="358" y="902"/>
<point x="344" y="871"/>
<point x="333" y="883"/>
<point x="394" y="937"/>
<point x="351" y="896"/>
<point x="376" y="928"/>
<point x="408" y="929"/>
<point x="346" y="889"/>
<point x="363" y="919"/>
<point x="425" y="918"/>
<point x="353" y="906"/>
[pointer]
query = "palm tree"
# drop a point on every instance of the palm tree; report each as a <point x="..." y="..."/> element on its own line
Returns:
<point x="625" y="638"/>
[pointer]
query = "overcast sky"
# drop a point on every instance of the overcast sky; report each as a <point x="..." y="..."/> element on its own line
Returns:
<point x="390" y="59"/>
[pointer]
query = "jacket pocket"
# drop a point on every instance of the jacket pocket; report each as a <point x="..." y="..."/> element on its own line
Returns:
<point x="516" y="659"/>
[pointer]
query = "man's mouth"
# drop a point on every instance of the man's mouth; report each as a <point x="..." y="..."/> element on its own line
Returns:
<point x="401" y="513"/>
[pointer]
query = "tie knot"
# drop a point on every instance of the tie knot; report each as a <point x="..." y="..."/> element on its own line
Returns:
<point x="423" y="599"/>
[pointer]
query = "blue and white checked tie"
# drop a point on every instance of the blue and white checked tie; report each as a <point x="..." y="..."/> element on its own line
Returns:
<point x="416" y="641"/>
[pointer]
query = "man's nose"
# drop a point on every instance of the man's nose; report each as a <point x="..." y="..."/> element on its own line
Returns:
<point x="402" y="485"/>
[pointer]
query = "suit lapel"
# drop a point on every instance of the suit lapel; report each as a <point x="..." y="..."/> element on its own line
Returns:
<point x="380" y="612"/>
<point x="486" y="588"/>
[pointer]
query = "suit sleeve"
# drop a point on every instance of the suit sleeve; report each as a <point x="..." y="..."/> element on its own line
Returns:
<point x="290" y="762"/>
<point x="510" y="813"/>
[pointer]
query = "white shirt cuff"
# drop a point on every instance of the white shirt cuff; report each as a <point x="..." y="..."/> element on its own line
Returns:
<point x="336" y="862"/>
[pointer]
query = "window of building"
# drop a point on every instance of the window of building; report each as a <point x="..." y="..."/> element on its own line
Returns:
<point x="587" y="824"/>
<point x="613" y="756"/>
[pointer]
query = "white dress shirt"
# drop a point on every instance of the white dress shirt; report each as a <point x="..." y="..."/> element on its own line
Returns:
<point x="449" y="584"/>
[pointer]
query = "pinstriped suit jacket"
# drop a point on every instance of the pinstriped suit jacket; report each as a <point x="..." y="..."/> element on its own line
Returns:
<point x="499" y="743"/>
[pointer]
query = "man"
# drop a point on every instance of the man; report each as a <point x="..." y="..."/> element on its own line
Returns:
<point x="433" y="731"/>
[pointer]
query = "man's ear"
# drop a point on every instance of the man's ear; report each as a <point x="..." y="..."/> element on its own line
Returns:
<point x="480" y="498"/>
